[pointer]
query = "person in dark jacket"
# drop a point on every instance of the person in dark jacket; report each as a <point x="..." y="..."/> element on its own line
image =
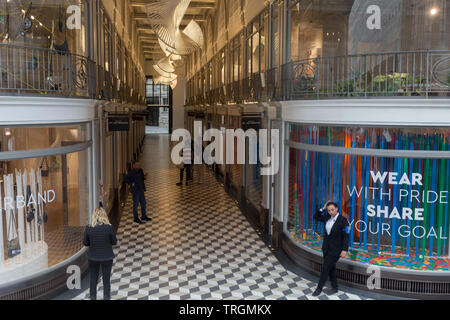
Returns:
<point x="188" y="156"/>
<point x="334" y="246"/>
<point x="100" y="237"/>
<point x="136" y="179"/>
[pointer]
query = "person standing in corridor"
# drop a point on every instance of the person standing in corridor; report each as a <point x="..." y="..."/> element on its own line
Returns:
<point x="188" y="155"/>
<point x="100" y="237"/>
<point x="136" y="179"/>
<point x="334" y="246"/>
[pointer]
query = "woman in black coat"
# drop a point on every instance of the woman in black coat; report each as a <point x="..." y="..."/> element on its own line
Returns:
<point x="100" y="238"/>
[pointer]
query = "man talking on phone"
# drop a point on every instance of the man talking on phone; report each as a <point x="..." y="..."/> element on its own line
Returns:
<point x="334" y="246"/>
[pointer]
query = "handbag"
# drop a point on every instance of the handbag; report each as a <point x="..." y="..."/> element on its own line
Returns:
<point x="30" y="208"/>
<point x="44" y="169"/>
<point x="13" y="245"/>
<point x="44" y="218"/>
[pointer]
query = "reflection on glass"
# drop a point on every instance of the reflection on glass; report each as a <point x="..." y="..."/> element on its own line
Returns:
<point x="31" y="138"/>
<point x="50" y="218"/>
<point x="43" y="24"/>
<point x="396" y="206"/>
<point x="331" y="28"/>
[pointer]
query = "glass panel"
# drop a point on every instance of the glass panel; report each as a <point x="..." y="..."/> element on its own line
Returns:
<point x="275" y="40"/>
<point x="109" y="165"/>
<point x="56" y="205"/>
<point x="330" y="28"/>
<point x="31" y="138"/>
<point x="249" y="57"/>
<point x="221" y="68"/>
<point x="256" y="51"/>
<point x="396" y="206"/>
<point x="156" y="94"/>
<point x="253" y="177"/>
<point x="234" y="122"/>
<point x="45" y="24"/>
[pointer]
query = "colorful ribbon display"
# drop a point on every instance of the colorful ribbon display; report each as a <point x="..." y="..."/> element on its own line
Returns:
<point x="388" y="210"/>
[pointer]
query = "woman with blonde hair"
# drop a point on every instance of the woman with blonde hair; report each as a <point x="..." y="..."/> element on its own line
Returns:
<point x="100" y="237"/>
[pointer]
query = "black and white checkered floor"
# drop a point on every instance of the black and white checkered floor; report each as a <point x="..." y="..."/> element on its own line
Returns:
<point x="198" y="246"/>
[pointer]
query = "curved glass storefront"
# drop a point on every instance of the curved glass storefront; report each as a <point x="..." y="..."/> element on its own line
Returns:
<point x="44" y="189"/>
<point x="29" y="138"/>
<point x="391" y="183"/>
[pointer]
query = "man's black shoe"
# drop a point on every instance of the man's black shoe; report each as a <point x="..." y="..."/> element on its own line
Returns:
<point x="179" y="183"/>
<point x="147" y="219"/>
<point x="332" y="291"/>
<point x="137" y="221"/>
<point x="317" y="292"/>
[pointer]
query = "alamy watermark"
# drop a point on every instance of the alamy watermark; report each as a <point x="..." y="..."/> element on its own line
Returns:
<point x="374" y="280"/>
<point x="258" y="147"/>
<point x="73" y="22"/>
<point x="374" y="20"/>
<point x="74" y="280"/>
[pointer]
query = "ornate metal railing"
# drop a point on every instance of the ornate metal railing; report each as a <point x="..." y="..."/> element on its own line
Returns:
<point x="40" y="71"/>
<point x="252" y="88"/>
<point x="272" y="84"/>
<point x="237" y="91"/>
<point x="418" y="73"/>
<point x="406" y="74"/>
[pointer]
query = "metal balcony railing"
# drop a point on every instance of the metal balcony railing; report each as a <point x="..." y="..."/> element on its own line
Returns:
<point x="229" y="97"/>
<point x="418" y="73"/>
<point x="402" y="74"/>
<point x="237" y="91"/>
<point x="272" y="84"/>
<point x="28" y="70"/>
<point x="252" y="88"/>
<point x="43" y="71"/>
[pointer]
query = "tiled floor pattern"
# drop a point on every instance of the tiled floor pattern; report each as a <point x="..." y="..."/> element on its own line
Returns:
<point x="198" y="246"/>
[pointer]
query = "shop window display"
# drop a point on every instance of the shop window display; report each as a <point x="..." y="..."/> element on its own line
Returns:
<point x="43" y="204"/>
<point x="397" y="207"/>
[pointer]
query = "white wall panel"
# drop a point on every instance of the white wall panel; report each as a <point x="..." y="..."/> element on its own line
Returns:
<point x="32" y="110"/>
<point x="395" y="112"/>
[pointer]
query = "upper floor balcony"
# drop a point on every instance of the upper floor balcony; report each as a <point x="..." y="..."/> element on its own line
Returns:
<point x="402" y="74"/>
<point x="51" y="72"/>
<point x="418" y="74"/>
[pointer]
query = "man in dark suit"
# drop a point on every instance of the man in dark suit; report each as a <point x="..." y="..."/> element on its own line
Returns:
<point x="334" y="246"/>
<point x="136" y="179"/>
